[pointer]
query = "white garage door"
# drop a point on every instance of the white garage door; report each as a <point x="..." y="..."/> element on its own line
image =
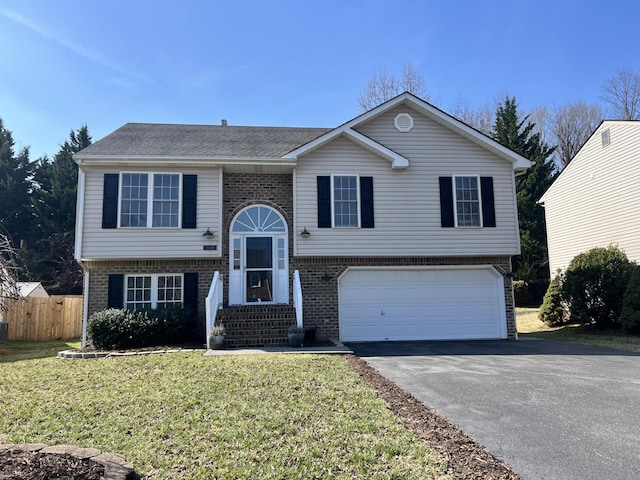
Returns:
<point x="421" y="304"/>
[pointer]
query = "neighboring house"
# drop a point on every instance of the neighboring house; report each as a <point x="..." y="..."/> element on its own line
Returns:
<point x="595" y="201"/>
<point x="399" y="224"/>
<point x="31" y="289"/>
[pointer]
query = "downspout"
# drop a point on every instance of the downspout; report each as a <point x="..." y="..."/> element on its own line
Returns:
<point x="78" y="249"/>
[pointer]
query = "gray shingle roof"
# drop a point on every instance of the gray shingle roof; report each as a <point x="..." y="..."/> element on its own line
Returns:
<point x="167" y="140"/>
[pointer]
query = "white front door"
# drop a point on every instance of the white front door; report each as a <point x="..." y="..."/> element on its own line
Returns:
<point x="258" y="257"/>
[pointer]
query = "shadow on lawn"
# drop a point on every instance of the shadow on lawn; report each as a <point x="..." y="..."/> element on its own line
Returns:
<point x="16" y="351"/>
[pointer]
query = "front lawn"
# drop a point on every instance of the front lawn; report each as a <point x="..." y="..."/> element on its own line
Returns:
<point x="529" y="326"/>
<point x="186" y="416"/>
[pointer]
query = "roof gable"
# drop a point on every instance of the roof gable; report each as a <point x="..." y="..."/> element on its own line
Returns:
<point x="576" y="165"/>
<point x="519" y="162"/>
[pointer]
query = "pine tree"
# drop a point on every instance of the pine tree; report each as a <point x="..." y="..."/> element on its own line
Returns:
<point x="50" y="258"/>
<point x="520" y="136"/>
<point x="14" y="188"/>
<point x="630" y="316"/>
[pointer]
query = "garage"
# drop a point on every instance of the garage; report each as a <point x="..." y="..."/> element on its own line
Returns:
<point x="423" y="303"/>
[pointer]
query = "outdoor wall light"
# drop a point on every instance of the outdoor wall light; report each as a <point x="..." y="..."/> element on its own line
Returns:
<point x="208" y="235"/>
<point x="326" y="277"/>
<point x="305" y="233"/>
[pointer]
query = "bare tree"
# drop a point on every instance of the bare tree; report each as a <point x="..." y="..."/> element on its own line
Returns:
<point x="622" y="93"/>
<point x="383" y="86"/>
<point x="8" y="272"/>
<point x="571" y="126"/>
<point x="481" y="118"/>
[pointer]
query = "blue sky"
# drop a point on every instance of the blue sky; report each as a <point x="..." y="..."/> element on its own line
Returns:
<point x="65" y="63"/>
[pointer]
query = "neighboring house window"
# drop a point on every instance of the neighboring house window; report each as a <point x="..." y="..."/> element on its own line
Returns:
<point x="345" y="201"/>
<point x="152" y="291"/>
<point x="149" y="200"/>
<point x="467" y="201"/>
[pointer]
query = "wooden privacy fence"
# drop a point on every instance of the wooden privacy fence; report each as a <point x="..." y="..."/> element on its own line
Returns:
<point x="42" y="319"/>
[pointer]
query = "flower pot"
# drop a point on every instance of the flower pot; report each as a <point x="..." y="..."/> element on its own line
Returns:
<point x="296" y="339"/>
<point x="216" y="342"/>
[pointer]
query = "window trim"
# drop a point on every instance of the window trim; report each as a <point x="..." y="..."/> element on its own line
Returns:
<point x="455" y="201"/>
<point x="154" y="287"/>
<point x="333" y="200"/>
<point x="150" y="188"/>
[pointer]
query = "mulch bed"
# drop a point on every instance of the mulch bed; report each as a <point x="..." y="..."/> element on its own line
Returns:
<point x="466" y="459"/>
<point x="21" y="465"/>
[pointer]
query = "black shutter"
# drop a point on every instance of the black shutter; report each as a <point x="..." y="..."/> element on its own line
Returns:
<point x="189" y="200"/>
<point x="488" y="207"/>
<point x="115" y="292"/>
<point x="110" y="201"/>
<point x="324" y="202"/>
<point x="366" y="202"/>
<point x="191" y="292"/>
<point x="446" y="202"/>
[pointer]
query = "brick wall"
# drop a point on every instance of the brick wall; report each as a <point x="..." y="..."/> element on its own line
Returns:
<point x="99" y="277"/>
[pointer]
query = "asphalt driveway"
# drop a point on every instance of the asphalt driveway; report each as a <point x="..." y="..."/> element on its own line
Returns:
<point x="551" y="410"/>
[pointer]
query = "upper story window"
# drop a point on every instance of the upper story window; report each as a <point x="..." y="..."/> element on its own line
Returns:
<point x="141" y="206"/>
<point x="467" y="199"/>
<point x="345" y="201"/>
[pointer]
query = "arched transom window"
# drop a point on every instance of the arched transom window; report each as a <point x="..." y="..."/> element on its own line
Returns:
<point x="259" y="219"/>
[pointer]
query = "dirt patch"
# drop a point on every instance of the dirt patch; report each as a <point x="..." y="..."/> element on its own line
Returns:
<point x="21" y="465"/>
<point x="8" y="351"/>
<point x="466" y="459"/>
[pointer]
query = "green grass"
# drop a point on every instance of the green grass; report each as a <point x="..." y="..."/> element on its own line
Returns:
<point x="14" y="351"/>
<point x="186" y="416"/>
<point x="529" y="326"/>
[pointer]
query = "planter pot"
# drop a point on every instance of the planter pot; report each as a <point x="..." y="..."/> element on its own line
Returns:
<point x="296" y="339"/>
<point x="216" y="342"/>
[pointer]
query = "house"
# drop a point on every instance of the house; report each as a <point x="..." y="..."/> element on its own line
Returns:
<point x="398" y="224"/>
<point x="594" y="201"/>
<point x="32" y="289"/>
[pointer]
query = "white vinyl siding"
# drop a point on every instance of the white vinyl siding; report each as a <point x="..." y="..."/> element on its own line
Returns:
<point x="595" y="202"/>
<point x="146" y="243"/>
<point x="406" y="201"/>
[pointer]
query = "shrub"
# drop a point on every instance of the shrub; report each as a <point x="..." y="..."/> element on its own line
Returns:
<point x="122" y="329"/>
<point x="630" y="316"/>
<point x="552" y="311"/>
<point x="537" y="290"/>
<point x="521" y="293"/>
<point x="594" y="285"/>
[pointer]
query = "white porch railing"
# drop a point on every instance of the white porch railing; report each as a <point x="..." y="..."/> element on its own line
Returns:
<point x="213" y="302"/>
<point x="297" y="297"/>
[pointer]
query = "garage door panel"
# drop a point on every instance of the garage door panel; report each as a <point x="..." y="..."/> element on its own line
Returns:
<point x="407" y="304"/>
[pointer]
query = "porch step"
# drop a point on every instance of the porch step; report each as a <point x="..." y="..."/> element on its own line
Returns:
<point x="257" y="325"/>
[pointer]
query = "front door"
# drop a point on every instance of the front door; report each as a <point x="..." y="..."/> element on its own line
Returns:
<point x="258" y="271"/>
<point x="258" y="257"/>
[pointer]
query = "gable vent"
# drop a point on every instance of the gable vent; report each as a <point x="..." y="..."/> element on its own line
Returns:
<point x="606" y="139"/>
<point x="403" y="122"/>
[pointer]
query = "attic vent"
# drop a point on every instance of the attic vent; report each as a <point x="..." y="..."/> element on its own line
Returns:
<point x="403" y="122"/>
<point x="606" y="139"/>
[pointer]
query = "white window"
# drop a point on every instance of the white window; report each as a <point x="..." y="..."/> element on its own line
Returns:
<point x="143" y="207"/>
<point x="152" y="291"/>
<point x="467" y="201"/>
<point x="345" y="201"/>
